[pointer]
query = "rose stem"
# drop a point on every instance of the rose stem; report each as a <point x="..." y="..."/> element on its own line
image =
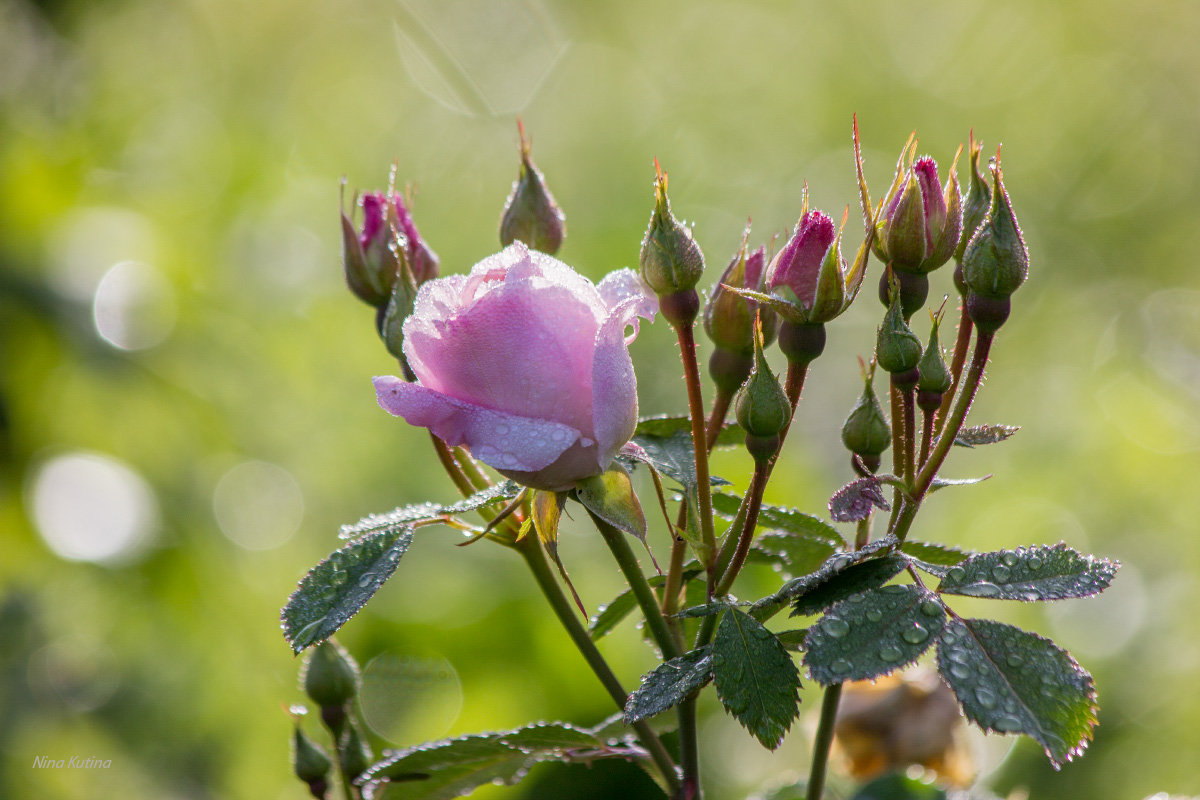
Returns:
<point x="670" y="598"/>
<point x="689" y="759"/>
<point x="793" y="387"/>
<point x="897" y="421"/>
<point x="924" y="479"/>
<point x="927" y="418"/>
<point x="909" y="401"/>
<point x="816" y="777"/>
<point x="956" y="364"/>
<point x="829" y="703"/>
<point x="691" y="375"/>
<point x="755" y="493"/>
<point x="531" y="550"/>
<point x="451" y="466"/>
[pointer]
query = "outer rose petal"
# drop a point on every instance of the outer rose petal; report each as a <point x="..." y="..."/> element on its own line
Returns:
<point x="504" y="441"/>
<point x="614" y="385"/>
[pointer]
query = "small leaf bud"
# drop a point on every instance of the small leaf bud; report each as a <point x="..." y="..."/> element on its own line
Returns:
<point x="671" y="262"/>
<point x="865" y="432"/>
<point x="310" y="763"/>
<point x="996" y="260"/>
<point x="897" y="348"/>
<point x="935" y="377"/>
<point x="530" y="214"/>
<point x="762" y="407"/>
<point x="330" y="675"/>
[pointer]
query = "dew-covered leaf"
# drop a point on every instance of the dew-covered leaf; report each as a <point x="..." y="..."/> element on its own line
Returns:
<point x="334" y="590"/>
<point x="406" y="515"/>
<point x="1012" y="681"/>
<point x="779" y="518"/>
<point x="608" y="616"/>
<point x="873" y="633"/>
<point x="755" y="678"/>
<point x="455" y="767"/>
<point x="856" y="500"/>
<point x="938" y="555"/>
<point x="851" y="580"/>
<point x="791" y="554"/>
<point x="669" y="684"/>
<point x="768" y="605"/>
<point x="976" y="435"/>
<point x="731" y="434"/>
<point x="1041" y="572"/>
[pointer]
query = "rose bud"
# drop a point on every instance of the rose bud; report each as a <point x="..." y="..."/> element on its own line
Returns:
<point x="310" y="763"/>
<point x="671" y="262"/>
<point x="762" y="407"/>
<point x="977" y="201"/>
<point x="935" y="377"/>
<point x="330" y="675"/>
<point x="526" y="363"/>
<point x="996" y="260"/>
<point x="729" y="320"/>
<point x="371" y="257"/>
<point x="865" y="433"/>
<point x="354" y="754"/>
<point x="530" y="213"/>
<point x="897" y="348"/>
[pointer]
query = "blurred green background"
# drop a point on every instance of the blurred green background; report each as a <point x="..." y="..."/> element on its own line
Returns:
<point x="185" y="407"/>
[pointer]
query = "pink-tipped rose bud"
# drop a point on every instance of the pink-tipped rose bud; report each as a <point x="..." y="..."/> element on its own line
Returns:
<point x="526" y="363"/>
<point x="811" y="274"/>
<point x="921" y="222"/>
<point x="372" y="254"/>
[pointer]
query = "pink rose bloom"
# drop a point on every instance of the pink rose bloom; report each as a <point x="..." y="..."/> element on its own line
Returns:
<point x="525" y="362"/>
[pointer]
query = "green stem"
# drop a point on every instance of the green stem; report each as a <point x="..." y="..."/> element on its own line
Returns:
<point x="691" y="375"/>
<point x="451" y="466"/>
<point x="927" y="418"/>
<point x="862" y="534"/>
<point x="531" y="550"/>
<point x="961" y="344"/>
<point x="632" y="570"/>
<point x="903" y="520"/>
<point x="821" y="744"/>
<point x="757" y="485"/>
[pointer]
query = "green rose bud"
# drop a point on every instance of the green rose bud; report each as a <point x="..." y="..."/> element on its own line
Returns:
<point x="530" y="214"/>
<point x="762" y="407"/>
<point x="935" y="377"/>
<point x="897" y="348"/>
<point x="671" y="262"/>
<point x="996" y="260"/>
<point x="330" y="675"/>
<point x="865" y="432"/>
<point x="310" y="763"/>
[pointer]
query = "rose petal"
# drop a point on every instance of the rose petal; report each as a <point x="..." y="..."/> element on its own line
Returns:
<point x="626" y="284"/>
<point x="503" y="441"/>
<point x="614" y="385"/>
<point x="509" y="354"/>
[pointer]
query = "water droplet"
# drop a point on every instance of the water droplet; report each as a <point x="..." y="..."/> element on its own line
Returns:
<point x="1034" y="563"/>
<point x="1007" y="724"/>
<point x="836" y="627"/>
<point x="960" y="671"/>
<point x="1009" y="558"/>
<point x="328" y="593"/>
<point x="895" y="588"/>
<point x="985" y="589"/>
<point x="338" y="577"/>
<point x="874" y="614"/>
<point x="986" y="698"/>
<point x="1001" y="572"/>
<point x="366" y="580"/>
<point x="1014" y="660"/>
<point x="956" y="574"/>
<point x="841" y="666"/>
<point x="501" y="429"/>
<point x="931" y="608"/>
<point x="915" y="635"/>
<point x="890" y="653"/>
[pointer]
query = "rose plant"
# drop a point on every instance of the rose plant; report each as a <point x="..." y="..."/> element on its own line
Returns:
<point x="522" y="366"/>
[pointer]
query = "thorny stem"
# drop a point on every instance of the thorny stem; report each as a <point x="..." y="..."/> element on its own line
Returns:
<point x="757" y="485"/>
<point x="531" y="550"/>
<point x="897" y="449"/>
<point x="691" y="374"/>
<point x="927" y="419"/>
<point x="822" y="742"/>
<point x="909" y="402"/>
<point x="924" y="479"/>
<point x="956" y="364"/>
<point x="451" y="466"/>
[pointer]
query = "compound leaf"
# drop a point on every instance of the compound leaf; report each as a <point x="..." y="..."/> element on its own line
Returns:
<point x="1042" y="572"/>
<point x="755" y="678"/>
